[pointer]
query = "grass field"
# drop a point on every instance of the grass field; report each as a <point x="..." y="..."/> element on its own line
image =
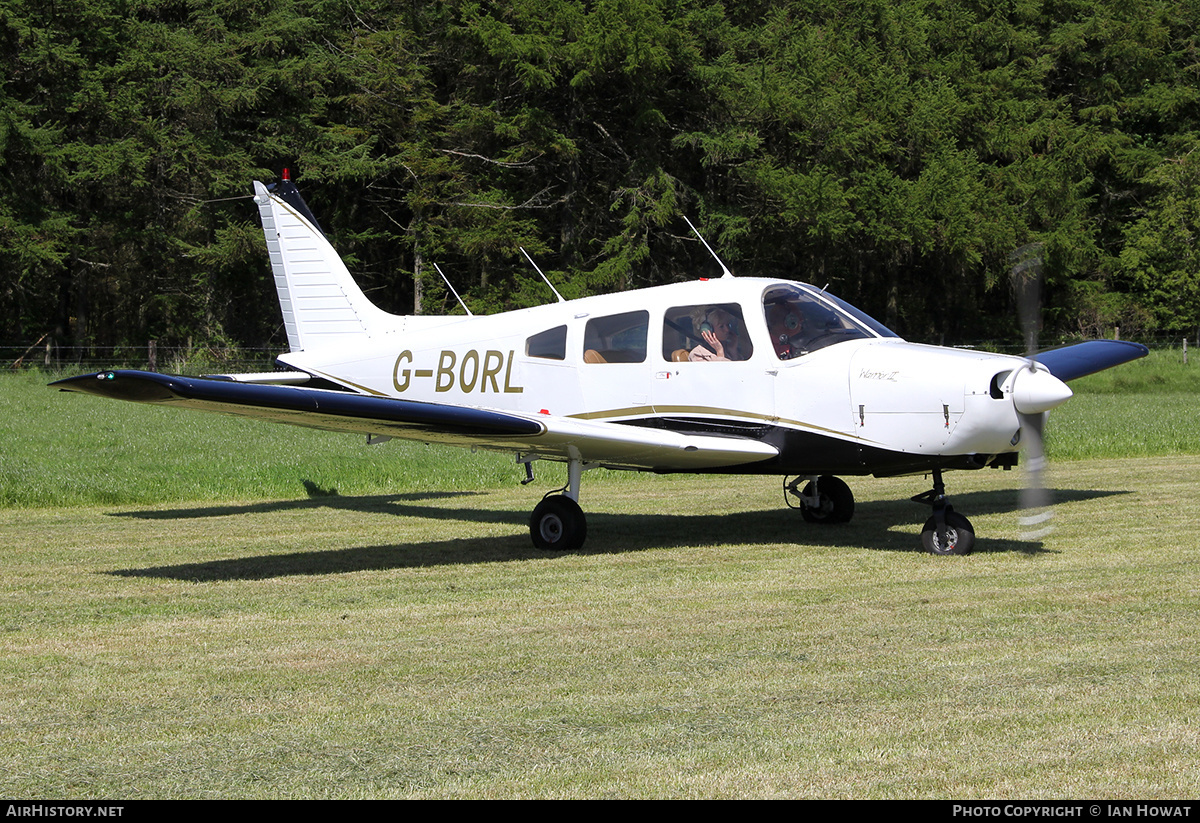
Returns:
<point x="281" y="613"/>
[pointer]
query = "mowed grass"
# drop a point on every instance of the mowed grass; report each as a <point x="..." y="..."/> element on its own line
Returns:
<point x="706" y="644"/>
<point x="64" y="448"/>
<point x="340" y="638"/>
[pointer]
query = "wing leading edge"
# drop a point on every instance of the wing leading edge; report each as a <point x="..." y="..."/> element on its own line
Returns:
<point x="314" y="408"/>
<point x="609" y="444"/>
<point x="1082" y="359"/>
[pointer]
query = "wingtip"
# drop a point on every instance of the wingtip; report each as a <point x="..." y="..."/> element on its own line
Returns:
<point x="121" y="384"/>
<point x="77" y="382"/>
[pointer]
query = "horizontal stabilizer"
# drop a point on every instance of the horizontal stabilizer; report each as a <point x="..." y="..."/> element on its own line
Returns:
<point x="1083" y="359"/>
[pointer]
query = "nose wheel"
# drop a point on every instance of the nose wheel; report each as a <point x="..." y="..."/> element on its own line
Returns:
<point x="946" y="532"/>
<point x="954" y="535"/>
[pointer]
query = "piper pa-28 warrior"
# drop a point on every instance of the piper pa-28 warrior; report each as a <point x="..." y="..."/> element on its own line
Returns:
<point x="736" y="375"/>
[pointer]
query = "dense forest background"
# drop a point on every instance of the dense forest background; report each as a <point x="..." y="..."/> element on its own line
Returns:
<point x="897" y="150"/>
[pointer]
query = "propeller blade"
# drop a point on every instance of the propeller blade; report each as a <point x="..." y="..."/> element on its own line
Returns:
<point x="1026" y="276"/>
<point x="1037" y="518"/>
<point x="1035" y="392"/>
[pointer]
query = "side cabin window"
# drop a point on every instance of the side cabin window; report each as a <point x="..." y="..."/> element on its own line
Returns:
<point x="712" y="332"/>
<point x="618" y="338"/>
<point x="800" y="323"/>
<point x="550" y="344"/>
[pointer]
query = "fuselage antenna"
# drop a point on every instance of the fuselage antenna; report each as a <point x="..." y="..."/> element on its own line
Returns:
<point x="544" y="277"/>
<point x="720" y="262"/>
<point x="446" y="280"/>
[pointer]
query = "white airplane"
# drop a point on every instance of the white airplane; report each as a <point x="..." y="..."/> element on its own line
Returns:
<point x="737" y="375"/>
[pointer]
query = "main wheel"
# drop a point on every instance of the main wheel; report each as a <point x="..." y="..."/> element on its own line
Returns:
<point x="958" y="537"/>
<point x="836" y="501"/>
<point x="558" y="524"/>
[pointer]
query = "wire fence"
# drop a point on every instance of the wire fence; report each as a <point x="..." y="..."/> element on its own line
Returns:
<point x="152" y="357"/>
<point x="47" y="356"/>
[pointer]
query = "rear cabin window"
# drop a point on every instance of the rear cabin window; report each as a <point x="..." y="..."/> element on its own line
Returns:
<point x="684" y="329"/>
<point x="550" y="344"/>
<point x="618" y="338"/>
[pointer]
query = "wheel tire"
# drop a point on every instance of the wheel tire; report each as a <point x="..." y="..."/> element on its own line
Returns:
<point x="837" y="501"/>
<point x="959" y="538"/>
<point x="558" y="524"/>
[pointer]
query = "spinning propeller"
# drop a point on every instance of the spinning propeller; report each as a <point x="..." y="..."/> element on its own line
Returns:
<point x="1034" y="391"/>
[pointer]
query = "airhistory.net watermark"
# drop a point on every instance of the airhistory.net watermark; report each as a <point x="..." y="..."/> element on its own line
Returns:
<point x="50" y="810"/>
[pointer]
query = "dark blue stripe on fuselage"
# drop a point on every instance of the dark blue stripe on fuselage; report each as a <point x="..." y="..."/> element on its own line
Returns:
<point x="809" y="452"/>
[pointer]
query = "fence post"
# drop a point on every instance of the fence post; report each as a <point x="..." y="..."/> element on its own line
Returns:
<point x="152" y="351"/>
<point x="1185" y="351"/>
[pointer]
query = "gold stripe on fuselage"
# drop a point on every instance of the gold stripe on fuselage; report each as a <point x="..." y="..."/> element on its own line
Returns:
<point x="737" y="414"/>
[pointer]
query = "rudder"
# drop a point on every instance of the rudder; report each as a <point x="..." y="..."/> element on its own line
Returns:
<point x="322" y="305"/>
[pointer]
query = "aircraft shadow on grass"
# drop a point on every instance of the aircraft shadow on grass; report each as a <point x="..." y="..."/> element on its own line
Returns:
<point x="874" y="527"/>
<point x="317" y="499"/>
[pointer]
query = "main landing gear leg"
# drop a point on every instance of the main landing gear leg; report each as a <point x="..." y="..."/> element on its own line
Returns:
<point x="947" y="532"/>
<point x="825" y="499"/>
<point x="557" y="523"/>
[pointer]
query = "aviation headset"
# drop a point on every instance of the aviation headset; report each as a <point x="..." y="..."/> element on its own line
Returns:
<point x="791" y="320"/>
<point x="707" y="325"/>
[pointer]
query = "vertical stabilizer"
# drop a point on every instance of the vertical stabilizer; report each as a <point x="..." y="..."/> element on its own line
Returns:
<point x="322" y="305"/>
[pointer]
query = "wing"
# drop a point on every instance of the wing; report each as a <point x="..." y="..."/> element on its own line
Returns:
<point x="1087" y="358"/>
<point x="608" y="444"/>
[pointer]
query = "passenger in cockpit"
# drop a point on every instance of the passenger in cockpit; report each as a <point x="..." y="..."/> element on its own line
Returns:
<point x="719" y="329"/>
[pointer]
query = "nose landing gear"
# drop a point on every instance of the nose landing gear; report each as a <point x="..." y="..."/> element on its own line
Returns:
<point x="946" y="532"/>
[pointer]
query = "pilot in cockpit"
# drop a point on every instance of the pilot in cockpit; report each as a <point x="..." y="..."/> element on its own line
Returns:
<point x="785" y="323"/>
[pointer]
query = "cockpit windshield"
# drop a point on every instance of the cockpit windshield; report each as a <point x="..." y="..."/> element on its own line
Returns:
<point x="802" y="320"/>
